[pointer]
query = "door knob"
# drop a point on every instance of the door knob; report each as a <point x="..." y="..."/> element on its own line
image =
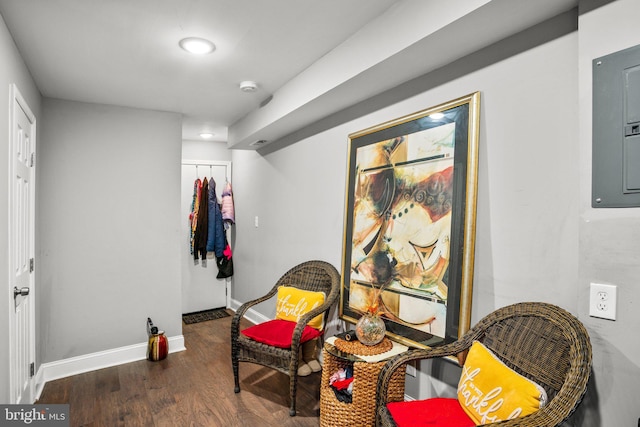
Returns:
<point x="24" y="291"/>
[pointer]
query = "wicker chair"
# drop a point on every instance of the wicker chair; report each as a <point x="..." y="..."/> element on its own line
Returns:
<point x="311" y="276"/>
<point x="540" y="341"/>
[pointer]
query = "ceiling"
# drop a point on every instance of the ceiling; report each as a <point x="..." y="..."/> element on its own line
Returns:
<point x="309" y="58"/>
<point x="126" y="53"/>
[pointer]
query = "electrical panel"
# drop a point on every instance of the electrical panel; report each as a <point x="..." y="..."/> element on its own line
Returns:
<point x="616" y="130"/>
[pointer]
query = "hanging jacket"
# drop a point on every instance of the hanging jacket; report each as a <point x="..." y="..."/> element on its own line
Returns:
<point x="216" y="234"/>
<point x="193" y="216"/>
<point x="200" y="243"/>
<point x="228" y="211"/>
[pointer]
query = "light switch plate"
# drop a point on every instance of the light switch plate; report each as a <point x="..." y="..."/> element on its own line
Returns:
<point x="603" y="301"/>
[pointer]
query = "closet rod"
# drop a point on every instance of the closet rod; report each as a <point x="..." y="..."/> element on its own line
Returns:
<point x="204" y="164"/>
<point x="210" y="164"/>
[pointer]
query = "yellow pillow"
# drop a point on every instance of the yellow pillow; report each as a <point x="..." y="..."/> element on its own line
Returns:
<point x="490" y="391"/>
<point x="293" y="303"/>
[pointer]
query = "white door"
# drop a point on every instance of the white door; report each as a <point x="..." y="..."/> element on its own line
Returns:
<point x="201" y="290"/>
<point x="21" y="238"/>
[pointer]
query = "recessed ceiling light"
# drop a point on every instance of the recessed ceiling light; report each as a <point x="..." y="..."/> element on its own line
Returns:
<point x="197" y="46"/>
<point x="248" y="86"/>
<point x="206" y="135"/>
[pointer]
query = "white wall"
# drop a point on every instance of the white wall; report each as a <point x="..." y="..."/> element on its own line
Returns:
<point x="527" y="234"/>
<point x="205" y="150"/>
<point x="109" y="198"/>
<point x="297" y="195"/>
<point x="609" y="250"/>
<point x="12" y="71"/>
<point x="531" y="225"/>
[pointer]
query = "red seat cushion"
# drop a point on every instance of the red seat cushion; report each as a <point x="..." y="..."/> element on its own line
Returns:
<point x="436" y="412"/>
<point x="278" y="333"/>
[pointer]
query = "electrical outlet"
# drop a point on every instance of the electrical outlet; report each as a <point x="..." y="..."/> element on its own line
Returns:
<point x="603" y="301"/>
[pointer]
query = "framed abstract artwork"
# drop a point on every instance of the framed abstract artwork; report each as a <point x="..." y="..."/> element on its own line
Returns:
<point x="409" y="227"/>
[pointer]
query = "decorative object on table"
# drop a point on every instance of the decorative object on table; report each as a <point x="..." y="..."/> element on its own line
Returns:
<point x="370" y="329"/>
<point x="158" y="346"/>
<point x="538" y="341"/>
<point x="349" y="335"/>
<point x="409" y="229"/>
<point x="277" y="343"/>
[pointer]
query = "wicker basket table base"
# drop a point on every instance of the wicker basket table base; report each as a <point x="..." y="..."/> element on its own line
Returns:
<point x="362" y="410"/>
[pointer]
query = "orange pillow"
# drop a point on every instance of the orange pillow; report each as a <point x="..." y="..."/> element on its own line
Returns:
<point x="490" y="391"/>
<point x="293" y="303"/>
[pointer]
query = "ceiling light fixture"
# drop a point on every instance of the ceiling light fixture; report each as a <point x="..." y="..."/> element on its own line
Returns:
<point x="206" y="135"/>
<point x="248" y="86"/>
<point x="197" y="45"/>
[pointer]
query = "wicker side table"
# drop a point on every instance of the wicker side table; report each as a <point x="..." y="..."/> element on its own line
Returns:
<point x="362" y="410"/>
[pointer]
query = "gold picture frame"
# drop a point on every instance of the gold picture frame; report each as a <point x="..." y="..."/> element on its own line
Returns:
<point x="409" y="225"/>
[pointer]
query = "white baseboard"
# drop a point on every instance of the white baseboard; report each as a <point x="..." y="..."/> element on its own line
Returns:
<point x="94" y="361"/>
<point x="234" y="305"/>
<point x="251" y="315"/>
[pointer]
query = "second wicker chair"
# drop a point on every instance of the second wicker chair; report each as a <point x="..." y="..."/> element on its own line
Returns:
<point x="540" y="341"/>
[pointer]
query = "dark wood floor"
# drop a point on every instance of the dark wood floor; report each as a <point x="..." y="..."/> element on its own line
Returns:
<point x="189" y="388"/>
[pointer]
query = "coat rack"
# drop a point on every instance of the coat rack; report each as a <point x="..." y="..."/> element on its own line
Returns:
<point x="210" y="164"/>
